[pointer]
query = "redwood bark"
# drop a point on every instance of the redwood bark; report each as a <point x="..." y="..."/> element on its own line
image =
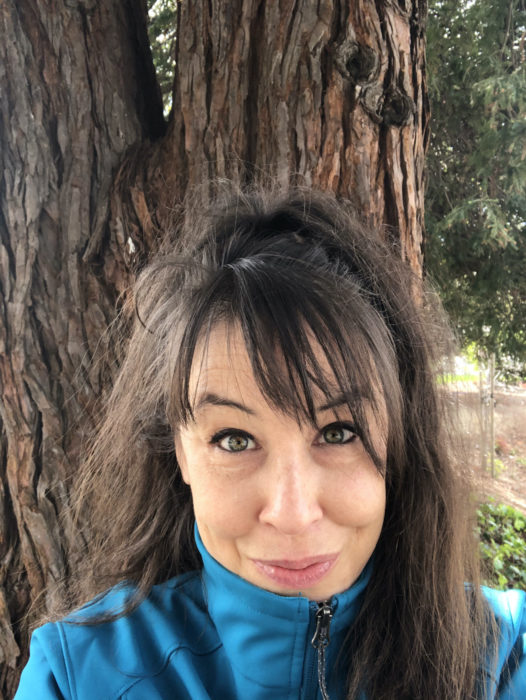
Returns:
<point x="67" y="117"/>
<point x="328" y="94"/>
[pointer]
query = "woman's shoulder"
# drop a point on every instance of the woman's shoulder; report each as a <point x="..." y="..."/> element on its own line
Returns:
<point x="509" y="608"/>
<point x="164" y="597"/>
<point x="136" y="644"/>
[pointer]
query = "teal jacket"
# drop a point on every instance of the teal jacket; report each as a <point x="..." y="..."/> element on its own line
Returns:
<point x="210" y="634"/>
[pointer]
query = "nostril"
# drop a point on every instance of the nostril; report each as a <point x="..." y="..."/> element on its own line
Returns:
<point x="291" y="512"/>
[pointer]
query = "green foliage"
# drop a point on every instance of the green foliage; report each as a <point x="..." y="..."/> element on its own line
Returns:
<point x="471" y="355"/>
<point x="476" y="196"/>
<point x="455" y="378"/>
<point x="502" y="531"/>
<point x="498" y="466"/>
<point x="162" y="33"/>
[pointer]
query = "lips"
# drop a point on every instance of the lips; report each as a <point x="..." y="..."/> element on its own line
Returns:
<point x="296" y="573"/>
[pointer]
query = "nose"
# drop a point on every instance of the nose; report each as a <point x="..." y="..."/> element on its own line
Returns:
<point x="292" y="493"/>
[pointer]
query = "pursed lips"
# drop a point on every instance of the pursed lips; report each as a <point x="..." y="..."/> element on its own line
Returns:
<point x="296" y="574"/>
<point x="296" y="564"/>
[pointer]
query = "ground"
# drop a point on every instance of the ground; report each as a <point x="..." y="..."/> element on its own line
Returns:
<point x="509" y="484"/>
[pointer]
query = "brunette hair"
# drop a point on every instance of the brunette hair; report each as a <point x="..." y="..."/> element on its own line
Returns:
<point x="286" y="266"/>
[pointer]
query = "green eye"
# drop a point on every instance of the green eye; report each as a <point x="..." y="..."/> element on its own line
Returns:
<point x="337" y="434"/>
<point x="234" y="441"/>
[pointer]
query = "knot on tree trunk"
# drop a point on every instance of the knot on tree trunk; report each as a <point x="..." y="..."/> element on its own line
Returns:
<point x="398" y="108"/>
<point x="358" y="63"/>
<point x="392" y="107"/>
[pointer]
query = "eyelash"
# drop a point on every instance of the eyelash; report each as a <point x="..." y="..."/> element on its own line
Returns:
<point x="216" y="439"/>
<point x="345" y="426"/>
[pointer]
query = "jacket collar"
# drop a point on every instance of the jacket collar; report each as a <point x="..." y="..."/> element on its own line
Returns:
<point x="262" y="630"/>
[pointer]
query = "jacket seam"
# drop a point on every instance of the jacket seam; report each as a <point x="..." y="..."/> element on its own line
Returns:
<point x="137" y="679"/>
<point x="70" y="674"/>
<point x="296" y="632"/>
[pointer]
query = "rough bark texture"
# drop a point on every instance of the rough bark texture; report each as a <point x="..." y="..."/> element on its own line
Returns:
<point x="67" y="117"/>
<point x="331" y="94"/>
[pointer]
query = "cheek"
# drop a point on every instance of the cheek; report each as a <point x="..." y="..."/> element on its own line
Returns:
<point x="224" y="502"/>
<point x="359" y="499"/>
<point x="228" y="512"/>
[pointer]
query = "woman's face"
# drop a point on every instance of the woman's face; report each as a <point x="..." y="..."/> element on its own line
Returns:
<point x="289" y="507"/>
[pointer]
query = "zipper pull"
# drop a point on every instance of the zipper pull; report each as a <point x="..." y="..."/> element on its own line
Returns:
<point x="321" y="640"/>
<point x="323" y="621"/>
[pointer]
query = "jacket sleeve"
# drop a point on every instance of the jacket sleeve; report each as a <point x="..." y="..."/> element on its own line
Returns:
<point x="511" y="612"/>
<point x="45" y="674"/>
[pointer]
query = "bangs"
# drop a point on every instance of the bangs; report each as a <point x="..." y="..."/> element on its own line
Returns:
<point x="291" y="317"/>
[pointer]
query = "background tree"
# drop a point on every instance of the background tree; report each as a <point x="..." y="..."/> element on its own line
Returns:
<point x="476" y="181"/>
<point x="329" y="94"/>
<point x="162" y="16"/>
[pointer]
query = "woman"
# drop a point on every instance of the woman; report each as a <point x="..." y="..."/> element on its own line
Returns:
<point x="270" y="493"/>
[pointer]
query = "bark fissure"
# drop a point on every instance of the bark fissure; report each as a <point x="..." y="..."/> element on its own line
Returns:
<point x="36" y="434"/>
<point x="208" y="78"/>
<point x="253" y="95"/>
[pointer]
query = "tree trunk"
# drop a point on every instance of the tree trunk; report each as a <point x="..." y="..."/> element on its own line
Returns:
<point x="67" y="118"/>
<point x="332" y="96"/>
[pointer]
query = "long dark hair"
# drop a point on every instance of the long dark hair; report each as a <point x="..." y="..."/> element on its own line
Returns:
<point x="285" y="266"/>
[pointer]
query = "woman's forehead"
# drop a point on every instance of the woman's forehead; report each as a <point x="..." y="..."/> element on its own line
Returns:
<point x="222" y="374"/>
<point x="222" y="355"/>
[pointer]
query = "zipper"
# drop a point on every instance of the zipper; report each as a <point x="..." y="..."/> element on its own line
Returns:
<point x="321" y="640"/>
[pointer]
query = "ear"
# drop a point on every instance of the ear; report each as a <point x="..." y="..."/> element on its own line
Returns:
<point x="181" y="458"/>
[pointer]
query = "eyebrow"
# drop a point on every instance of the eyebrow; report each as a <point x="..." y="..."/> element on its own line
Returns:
<point x="341" y="400"/>
<point x="211" y="399"/>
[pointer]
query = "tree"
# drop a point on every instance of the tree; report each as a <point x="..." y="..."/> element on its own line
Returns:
<point x="162" y="15"/>
<point x="476" y="196"/>
<point x="332" y="96"/>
